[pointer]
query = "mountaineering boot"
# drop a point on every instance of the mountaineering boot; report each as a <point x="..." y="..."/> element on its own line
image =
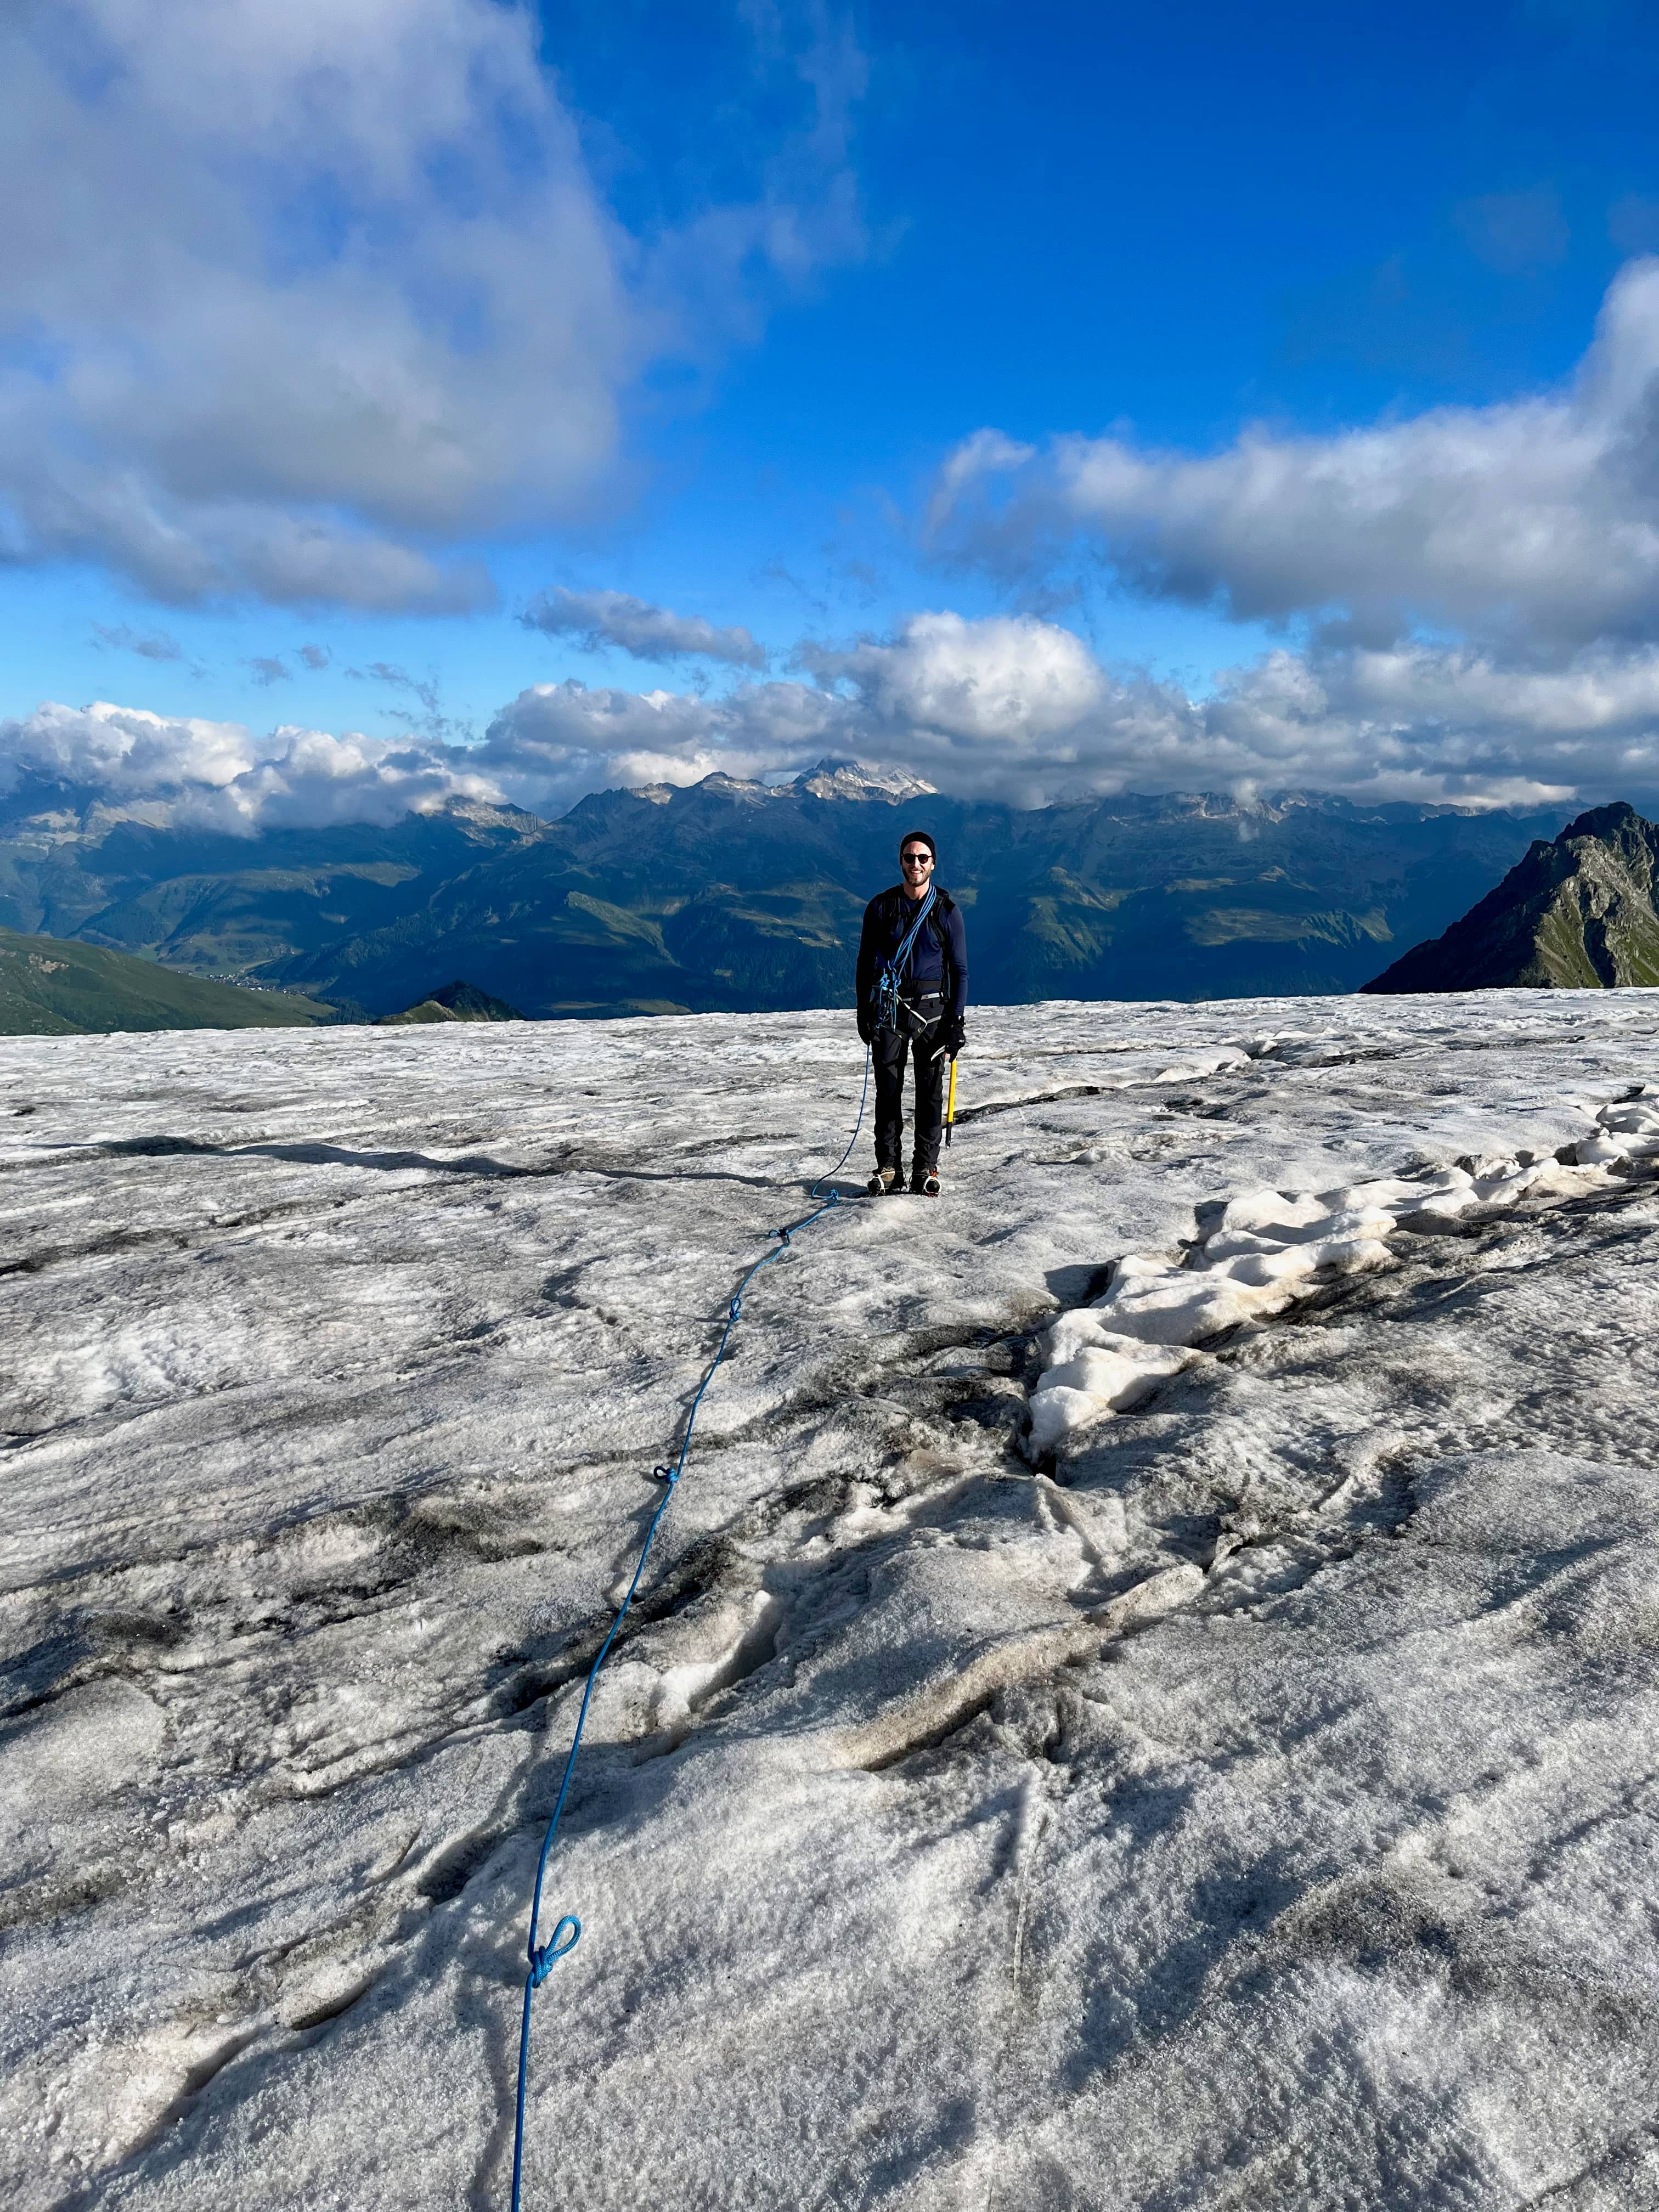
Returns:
<point x="883" y="1183"/>
<point x="924" y="1183"/>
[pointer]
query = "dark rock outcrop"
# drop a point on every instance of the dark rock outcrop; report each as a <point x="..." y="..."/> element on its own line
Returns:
<point x="455" y="1002"/>
<point x="1578" y="912"/>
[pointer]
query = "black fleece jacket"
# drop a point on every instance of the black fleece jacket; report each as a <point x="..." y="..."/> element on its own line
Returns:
<point x="939" y="959"/>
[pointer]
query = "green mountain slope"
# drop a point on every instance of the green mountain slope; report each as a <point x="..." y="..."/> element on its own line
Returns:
<point x="1577" y="912"/>
<point x="213" y="903"/>
<point x="53" y="987"/>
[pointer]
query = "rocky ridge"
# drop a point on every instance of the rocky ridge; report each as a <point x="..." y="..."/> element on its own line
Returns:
<point x="1577" y="912"/>
<point x="454" y="1002"/>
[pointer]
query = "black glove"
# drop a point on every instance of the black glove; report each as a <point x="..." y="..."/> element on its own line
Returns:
<point x="867" y="1026"/>
<point x="953" y="1034"/>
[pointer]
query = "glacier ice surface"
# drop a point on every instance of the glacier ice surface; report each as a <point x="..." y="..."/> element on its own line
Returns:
<point x="1146" y="1697"/>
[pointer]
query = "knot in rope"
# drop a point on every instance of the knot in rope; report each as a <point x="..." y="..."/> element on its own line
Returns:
<point x="542" y="1961"/>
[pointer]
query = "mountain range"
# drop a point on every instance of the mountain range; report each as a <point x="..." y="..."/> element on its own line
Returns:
<point x="733" y="895"/>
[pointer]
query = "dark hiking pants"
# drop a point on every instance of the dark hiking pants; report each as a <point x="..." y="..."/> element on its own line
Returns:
<point x="889" y="1052"/>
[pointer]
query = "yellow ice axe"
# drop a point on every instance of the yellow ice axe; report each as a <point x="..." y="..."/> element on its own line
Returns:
<point x="950" y="1104"/>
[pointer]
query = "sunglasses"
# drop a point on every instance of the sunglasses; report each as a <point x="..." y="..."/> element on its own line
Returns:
<point x="917" y="859"/>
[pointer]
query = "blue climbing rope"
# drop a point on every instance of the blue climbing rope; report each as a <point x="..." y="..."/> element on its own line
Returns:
<point x="892" y="974"/>
<point x="544" y="1956"/>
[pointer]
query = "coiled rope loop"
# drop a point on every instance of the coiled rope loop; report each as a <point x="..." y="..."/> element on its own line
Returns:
<point x="544" y="1957"/>
<point x="892" y="976"/>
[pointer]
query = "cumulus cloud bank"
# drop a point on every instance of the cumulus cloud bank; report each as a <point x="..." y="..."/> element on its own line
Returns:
<point x="1007" y="707"/>
<point x="1016" y="708"/>
<point x="559" y="740"/>
<point x="1478" y="588"/>
<point x="177" y="771"/>
<point x="648" y="633"/>
<point x="299" y="294"/>
<point x="1530" y="527"/>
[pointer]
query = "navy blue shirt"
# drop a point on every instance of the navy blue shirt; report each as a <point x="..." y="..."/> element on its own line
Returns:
<point x="939" y="958"/>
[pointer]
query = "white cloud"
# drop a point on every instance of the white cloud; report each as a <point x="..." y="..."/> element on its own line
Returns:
<point x="1017" y="709"/>
<point x="985" y="453"/>
<point x="648" y="633"/>
<point x="121" y="751"/>
<point x="1534" y="522"/>
<point x="556" y="741"/>
<point x="1007" y="708"/>
<point x="166" y="770"/>
<point x="1006" y="680"/>
<point x="309" y="778"/>
<point x="296" y="295"/>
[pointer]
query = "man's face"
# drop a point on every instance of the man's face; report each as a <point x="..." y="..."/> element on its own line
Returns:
<point x="917" y="863"/>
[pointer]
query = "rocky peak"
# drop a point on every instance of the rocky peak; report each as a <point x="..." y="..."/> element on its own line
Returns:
<point x="1578" y="912"/>
<point x="857" y="780"/>
<point x="1618" y="830"/>
<point x="487" y="816"/>
<point x="458" y="1001"/>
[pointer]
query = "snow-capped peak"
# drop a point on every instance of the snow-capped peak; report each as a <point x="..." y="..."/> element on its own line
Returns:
<point x="846" y="779"/>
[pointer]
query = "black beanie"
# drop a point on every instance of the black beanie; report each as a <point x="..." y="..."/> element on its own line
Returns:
<point x="918" y="837"/>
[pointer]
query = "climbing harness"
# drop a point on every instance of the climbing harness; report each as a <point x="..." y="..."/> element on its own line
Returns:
<point x="544" y="1956"/>
<point x="892" y="972"/>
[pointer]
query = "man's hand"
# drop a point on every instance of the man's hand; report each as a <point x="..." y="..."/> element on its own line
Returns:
<point x="866" y="1028"/>
<point x="953" y="1034"/>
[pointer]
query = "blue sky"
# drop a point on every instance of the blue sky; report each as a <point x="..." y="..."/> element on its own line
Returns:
<point x="365" y="330"/>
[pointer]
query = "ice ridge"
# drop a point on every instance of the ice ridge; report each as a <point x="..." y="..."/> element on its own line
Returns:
<point x="1272" y="1248"/>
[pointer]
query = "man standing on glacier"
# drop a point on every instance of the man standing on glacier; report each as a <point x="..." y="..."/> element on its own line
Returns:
<point x="912" y="1000"/>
